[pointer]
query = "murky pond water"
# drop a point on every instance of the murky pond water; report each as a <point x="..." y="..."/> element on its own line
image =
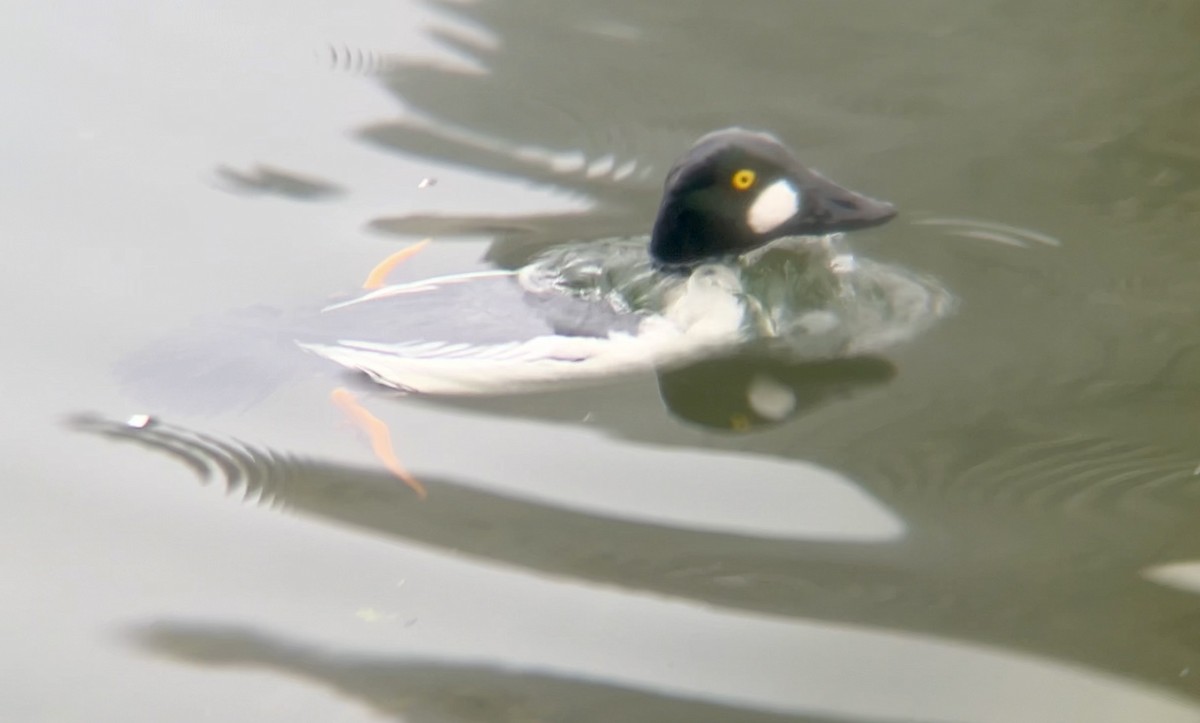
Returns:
<point x="993" y="521"/>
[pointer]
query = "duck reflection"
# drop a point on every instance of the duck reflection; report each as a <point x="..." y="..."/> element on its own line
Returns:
<point x="749" y="392"/>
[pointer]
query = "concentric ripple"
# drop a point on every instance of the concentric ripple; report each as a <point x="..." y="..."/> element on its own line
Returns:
<point x="256" y="475"/>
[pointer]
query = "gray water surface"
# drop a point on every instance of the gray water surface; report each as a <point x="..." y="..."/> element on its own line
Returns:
<point x="994" y="521"/>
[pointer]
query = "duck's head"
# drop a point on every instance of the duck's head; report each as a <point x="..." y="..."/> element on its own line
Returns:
<point x="736" y="190"/>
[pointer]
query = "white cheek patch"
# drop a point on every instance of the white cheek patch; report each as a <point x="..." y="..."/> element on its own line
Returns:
<point x="775" y="204"/>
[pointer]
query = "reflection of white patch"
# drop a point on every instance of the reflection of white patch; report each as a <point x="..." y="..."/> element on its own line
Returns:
<point x="770" y="398"/>
<point x="775" y="204"/>
<point x="1183" y="575"/>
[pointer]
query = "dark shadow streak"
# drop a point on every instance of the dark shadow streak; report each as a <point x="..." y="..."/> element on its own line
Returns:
<point x="419" y="690"/>
<point x="577" y="83"/>
<point x="1043" y="592"/>
<point x="268" y="180"/>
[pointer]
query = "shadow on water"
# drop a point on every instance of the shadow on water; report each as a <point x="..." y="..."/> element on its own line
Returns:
<point x="264" y="180"/>
<point x="595" y="101"/>
<point x="994" y="571"/>
<point x="590" y="101"/>
<point x="431" y="691"/>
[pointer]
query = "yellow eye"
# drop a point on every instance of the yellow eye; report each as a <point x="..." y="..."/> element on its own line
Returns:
<point x="743" y="179"/>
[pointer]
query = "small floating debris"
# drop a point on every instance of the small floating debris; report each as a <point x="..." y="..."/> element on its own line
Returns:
<point x="139" y="421"/>
<point x="427" y="182"/>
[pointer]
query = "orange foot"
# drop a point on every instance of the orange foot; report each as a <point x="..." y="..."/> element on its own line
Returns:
<point x="379" y="274"/>
<point x="379" y="435"/>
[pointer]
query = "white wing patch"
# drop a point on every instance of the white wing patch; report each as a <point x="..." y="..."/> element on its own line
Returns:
<point x="775" y="204"/>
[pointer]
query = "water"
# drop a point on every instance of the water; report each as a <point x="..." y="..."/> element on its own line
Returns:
<point x="993" y="521"/>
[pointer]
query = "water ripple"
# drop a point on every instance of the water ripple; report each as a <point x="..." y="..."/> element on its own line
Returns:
<point x="1081" y="475"/>
<point x="1001" y="233"/>
<point x="252" y="474"/>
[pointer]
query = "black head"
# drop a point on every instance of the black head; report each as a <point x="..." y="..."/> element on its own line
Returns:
<point x="736" y="190"/>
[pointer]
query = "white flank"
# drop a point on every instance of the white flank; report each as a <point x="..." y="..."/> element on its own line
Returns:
<point x="775" y="204"/>
<point x="705" y="315"/>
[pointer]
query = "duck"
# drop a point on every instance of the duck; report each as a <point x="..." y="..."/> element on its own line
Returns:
<point x="699" y="285"/>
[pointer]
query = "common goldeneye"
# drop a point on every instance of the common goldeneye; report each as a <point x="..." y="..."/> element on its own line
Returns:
<point x="589" y="310"/>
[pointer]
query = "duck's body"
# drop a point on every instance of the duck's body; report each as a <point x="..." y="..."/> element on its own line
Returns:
<point x="510" y="337"/>
<point x="582" y="312"/>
